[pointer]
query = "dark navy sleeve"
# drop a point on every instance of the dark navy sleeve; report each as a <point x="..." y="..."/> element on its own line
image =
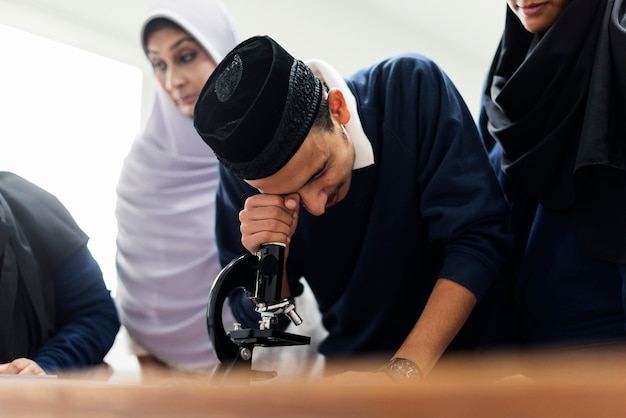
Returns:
<point x="427" y="128"/>
<point x="232" y="193"/>
<point x="461" y="197"/>
<point x="87" y="320"/>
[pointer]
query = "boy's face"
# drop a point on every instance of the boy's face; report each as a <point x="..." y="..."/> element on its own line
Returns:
<point x="319" y="172"/>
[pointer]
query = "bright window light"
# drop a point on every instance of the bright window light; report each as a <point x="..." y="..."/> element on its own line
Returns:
<point x="67" y="118"/>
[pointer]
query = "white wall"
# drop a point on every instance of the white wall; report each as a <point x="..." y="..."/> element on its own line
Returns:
<point x="461" y="36"/>
<point x="66" y="116"/>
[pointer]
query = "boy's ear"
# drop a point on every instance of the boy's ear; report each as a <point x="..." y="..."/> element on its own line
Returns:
<point x="337" y="106"/>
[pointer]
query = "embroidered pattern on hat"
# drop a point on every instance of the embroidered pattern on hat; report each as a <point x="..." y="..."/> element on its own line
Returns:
<point x="299" y="111"/>
<point x="228" y="81"/>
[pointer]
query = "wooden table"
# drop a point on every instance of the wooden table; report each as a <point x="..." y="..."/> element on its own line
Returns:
<point x="565" y="385"/>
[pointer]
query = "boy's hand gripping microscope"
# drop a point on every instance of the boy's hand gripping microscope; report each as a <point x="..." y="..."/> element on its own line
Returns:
<point x="260" y="276"/>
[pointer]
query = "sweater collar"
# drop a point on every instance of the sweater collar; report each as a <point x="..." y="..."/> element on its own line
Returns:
<point x="364" y="155"/>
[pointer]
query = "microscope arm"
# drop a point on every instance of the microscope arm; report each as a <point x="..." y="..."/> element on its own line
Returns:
<point x="238" y="274"/>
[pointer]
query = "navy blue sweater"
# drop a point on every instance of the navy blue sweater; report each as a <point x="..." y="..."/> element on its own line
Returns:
<point x="429" y="207"/>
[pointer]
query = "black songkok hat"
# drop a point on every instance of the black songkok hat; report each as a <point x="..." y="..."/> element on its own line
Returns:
<point x="257" y="108"/>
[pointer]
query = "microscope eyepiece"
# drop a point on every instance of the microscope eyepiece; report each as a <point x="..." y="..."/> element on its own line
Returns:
<point x="268" y="266"/>
<point x="270" y="273"/>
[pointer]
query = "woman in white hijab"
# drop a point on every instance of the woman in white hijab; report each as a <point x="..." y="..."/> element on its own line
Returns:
<point x="167" y="258"/>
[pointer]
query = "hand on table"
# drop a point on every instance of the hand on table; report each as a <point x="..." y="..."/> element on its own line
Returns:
<point x="21" y="366"/>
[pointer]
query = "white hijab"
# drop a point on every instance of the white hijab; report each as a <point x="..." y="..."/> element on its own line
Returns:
<point x="166" y="254"/>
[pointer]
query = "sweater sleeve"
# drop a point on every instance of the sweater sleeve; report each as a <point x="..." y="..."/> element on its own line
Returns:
<point x="87" y="320"/>
<point x="461" y="197"/>
<point x="231" y="195"/>
<point x="433" y="138"/>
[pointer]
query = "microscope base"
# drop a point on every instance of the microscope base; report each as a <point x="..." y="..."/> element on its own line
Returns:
<point x="247" y="339"/>
<point x="266" y="337"/>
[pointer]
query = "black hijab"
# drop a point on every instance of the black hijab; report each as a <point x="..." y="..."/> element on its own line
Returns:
<point x="27" y="314"/>
<point x="37" y="236"/>
<point x="556" y="103"/>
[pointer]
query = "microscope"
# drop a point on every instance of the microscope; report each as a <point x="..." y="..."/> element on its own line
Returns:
<point x="260" y="277"/>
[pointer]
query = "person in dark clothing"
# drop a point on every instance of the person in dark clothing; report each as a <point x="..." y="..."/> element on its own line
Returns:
<point x="56" y="313"/>
<point x="553" y="115"/>
<point x="405" y="225"/>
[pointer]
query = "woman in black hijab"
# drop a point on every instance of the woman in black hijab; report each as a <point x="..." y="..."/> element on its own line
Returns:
<point x="56" y="313"/>
<point x="553" y="116"/>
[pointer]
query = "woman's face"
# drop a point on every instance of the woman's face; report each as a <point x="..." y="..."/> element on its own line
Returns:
<point x="537" y="15"/>
<point x="181" y="66"/>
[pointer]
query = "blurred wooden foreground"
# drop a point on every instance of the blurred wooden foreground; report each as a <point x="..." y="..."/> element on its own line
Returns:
<point x="554" y="385"/>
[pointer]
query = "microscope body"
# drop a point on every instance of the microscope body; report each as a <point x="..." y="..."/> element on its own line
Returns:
<point x="268" y="287"/>
<point x="260" y="276"/>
